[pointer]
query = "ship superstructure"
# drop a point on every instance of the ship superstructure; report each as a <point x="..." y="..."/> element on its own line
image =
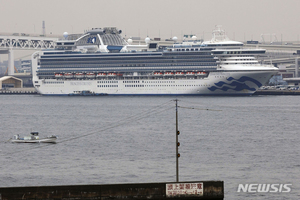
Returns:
<point x="101" y="62"/>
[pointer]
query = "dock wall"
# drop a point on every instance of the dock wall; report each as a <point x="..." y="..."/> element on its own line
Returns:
<point x="19" y="91"/>
<point x="277" y="92"/>
<point x="210" y="190"/>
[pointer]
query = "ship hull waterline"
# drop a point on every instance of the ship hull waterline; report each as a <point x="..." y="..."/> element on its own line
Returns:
<point x="216" y="84"/>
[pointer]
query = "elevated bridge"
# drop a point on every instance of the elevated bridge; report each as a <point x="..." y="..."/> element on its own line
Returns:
<point x="24" y="43"/>
<point x="11" y="42"/>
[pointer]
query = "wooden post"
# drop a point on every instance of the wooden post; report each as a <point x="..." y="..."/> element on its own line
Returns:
<point x="177" y="144"/>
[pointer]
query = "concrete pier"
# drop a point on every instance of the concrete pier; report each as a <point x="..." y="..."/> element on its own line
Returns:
<point x="204" y="190"/>
<point x="18" y="91"/>
<point x="277" y="92"/>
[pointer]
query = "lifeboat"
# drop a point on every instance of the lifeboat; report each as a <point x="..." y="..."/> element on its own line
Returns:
<point x="190" y="73"/>
<point x="90" y="75"/>
<point x="169" y="74"/>
<point x="68" y="75"/>
<point x="201" y="74"/>
<point x="179" y="73"/>
<point x="79" y="75"/>
<point x="57" y="75"/>
<point x="158" y="73"/>
<point x="111" y="74"/>
<point x="101" y="74"/>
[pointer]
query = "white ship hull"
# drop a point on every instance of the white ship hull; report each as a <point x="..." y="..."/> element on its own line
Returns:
<point x="45" y="140"/>
<point x="33" y="138"/>
<point x="217" y="83"/>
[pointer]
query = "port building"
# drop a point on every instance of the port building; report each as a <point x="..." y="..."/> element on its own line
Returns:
<point x="10" y="81"/>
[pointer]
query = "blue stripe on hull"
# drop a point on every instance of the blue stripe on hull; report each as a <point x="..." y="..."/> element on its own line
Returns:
<point x="235" y="84"/>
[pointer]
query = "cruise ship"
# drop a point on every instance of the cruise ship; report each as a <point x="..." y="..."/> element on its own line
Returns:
<point x="102" y="62"/>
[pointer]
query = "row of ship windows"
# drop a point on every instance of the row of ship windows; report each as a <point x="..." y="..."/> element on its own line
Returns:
<point x="136" y="81"/>
<point x="49" y="82"/>
<point x="173" y="85"/>
<point x="107" y="86"/>
<point x="187" y="49"/>
<point x="133" y="85"/>
<point x="240" y="52"/>
<point x="238" y="60"/>
<point x="62" y="82"/>
<point x="159" y="81"/>
<point x="145" y="59"/>
<point x="243" y="63"/>
<point x="107" y="81"/>
<point x="149" y="81"/>
<point x="206" y="51"/>
<point x="58" y="65"/>
<point x="162" y="61"/>
<point x="162" y="85"/>
<point x="131" y="81"/>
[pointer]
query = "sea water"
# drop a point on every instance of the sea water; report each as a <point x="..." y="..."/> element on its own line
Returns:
<point x="110" y="140"/>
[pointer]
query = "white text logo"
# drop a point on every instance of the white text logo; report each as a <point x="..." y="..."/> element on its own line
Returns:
<point x="252" y="188"/>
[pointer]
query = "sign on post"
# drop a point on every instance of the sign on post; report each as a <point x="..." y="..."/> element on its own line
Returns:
<point x="182" y="189"/>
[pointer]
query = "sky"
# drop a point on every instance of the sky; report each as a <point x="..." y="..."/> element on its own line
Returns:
<point x="241" y="19"/>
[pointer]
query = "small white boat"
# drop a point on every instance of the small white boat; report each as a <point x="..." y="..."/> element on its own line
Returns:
<point x="33" y="138"/>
